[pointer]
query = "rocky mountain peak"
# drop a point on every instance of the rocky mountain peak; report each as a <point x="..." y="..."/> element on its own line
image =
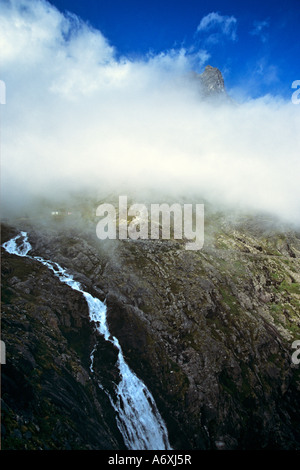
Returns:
<point x="211" y="82"/>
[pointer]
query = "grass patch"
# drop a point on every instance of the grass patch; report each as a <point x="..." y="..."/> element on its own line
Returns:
<point x="230" y="300"/>
<point x="290" y="287"/>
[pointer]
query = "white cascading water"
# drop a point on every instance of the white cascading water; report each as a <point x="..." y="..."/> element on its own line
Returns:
<point x="138" y="418"/>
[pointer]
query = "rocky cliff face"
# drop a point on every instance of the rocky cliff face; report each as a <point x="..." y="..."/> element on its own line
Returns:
<point x="210" y="332"/>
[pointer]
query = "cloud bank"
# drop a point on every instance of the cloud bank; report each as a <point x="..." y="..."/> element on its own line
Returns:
<point x="77" y="117"/>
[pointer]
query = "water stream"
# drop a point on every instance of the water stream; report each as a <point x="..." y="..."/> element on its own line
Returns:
<point x="137" y="416"/>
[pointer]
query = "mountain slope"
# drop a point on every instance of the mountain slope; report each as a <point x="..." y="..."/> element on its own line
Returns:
<point x="209" y="332"/>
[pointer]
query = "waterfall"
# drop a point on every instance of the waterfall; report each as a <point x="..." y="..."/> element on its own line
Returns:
<point x="137" y="416"/>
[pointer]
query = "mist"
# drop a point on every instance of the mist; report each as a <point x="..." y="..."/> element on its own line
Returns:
<point x="80" y="118"/>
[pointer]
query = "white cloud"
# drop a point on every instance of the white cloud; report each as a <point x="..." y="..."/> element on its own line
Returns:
<point x="75" y="116"/>
<point x="218" y="25"/>
<point x="259" y="29"/>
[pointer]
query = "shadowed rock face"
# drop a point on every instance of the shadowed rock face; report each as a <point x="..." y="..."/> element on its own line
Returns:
<point x="209" y="332"/>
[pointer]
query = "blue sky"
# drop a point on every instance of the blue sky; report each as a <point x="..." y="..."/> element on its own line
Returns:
<point x="254" y="43"/>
